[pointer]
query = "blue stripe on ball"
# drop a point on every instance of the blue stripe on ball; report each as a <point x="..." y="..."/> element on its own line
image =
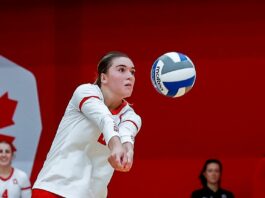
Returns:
<point x="182" y="57"/>
<point x="173" y="87"/>
<point x="153" y="73"/>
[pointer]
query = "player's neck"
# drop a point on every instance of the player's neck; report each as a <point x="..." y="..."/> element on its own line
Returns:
<point x="111" y="104"/>
<point x="5" y="171"/>
<point x="110" y="100"/>
<point x="213" y="187"/>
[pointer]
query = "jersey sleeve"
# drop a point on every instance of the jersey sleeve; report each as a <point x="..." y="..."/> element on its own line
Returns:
<point x="25" y="185"/>
<point x="129" y="126"/>
<point x="89" y="101"/>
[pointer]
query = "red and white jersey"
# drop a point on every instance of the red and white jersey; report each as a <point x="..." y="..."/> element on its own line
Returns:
<point x="77" y="159"/>
<point x="17" y="185"/>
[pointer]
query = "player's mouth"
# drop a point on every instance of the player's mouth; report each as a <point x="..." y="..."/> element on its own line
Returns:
<point x="3" y="160"/>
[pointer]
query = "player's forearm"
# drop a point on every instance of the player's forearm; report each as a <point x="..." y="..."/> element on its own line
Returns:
<point x="128" y="146"/>
<point x="114" y="142"/>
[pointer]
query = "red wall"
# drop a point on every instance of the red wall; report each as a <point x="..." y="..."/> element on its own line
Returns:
<point x="221" y="117"/>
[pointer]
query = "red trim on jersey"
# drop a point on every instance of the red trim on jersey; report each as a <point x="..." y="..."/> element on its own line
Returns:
<point x="118" y="109"/>
<point x="121" y="115"/>
<point x="85" y="99"/>
<point x="113" y="112"/>
<point x="131" y="122"/>
<point x="39" y="193"/>
<point x="26" y="188"/>
<point x="5" y="179"/>
<point x="101" y="139"/>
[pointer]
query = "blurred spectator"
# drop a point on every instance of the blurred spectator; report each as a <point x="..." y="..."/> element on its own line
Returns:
<point x="14" y="183"/>
<point x="210" y="177"/>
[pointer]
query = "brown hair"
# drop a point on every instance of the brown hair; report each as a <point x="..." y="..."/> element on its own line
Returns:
<point x="106" y="62"/>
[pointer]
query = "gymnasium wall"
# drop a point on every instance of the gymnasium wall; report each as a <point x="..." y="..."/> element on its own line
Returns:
<point x="60" y="42"/>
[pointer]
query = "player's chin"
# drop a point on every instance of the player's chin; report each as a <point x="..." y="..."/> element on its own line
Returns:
<point x="5" y="163"/>
<point x="127" y="94"/>
<point x="214" y="181"/>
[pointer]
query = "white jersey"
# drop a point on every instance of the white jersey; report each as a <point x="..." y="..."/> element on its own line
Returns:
<point x="76" y="165"/>
<point x="17" y="185"/>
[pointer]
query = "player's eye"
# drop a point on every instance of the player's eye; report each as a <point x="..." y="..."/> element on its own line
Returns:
<point x="133" y="72"/>
<point x="121" y="69"/>
<point x="1" y="151"/>
<point x="7" y="151"/>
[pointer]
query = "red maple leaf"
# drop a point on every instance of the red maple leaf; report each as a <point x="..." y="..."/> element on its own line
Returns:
<point x="7" y="110"/>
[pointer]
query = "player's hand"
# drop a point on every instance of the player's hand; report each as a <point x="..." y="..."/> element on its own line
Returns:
<point x="118" y="157"/>
<point x="129" y="152"/>
<point x="129" y="163"/>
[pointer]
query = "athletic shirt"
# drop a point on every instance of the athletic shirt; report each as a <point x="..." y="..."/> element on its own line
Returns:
<point x="17" y="185"/>
<point x="85" y="128"/>
<point x="208" y="193"/>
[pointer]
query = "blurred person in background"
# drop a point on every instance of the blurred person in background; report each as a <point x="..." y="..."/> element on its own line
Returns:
<point x="210" y="177"/>
<point x="14" y="183"/>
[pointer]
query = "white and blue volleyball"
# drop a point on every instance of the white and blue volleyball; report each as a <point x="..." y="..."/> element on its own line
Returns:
<point x="173" y="74"/>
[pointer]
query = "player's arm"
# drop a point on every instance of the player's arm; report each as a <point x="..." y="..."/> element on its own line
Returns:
<point x="129" y="149"/>
<point x="26" y="193"/>
<point x="25" y="185"/>
<point x="118" y="157"/>
<point x="90" y="103"/>
<point x="128" y="129"/>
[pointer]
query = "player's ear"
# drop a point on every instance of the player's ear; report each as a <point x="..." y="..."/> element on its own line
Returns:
<point x="103" y="78"/>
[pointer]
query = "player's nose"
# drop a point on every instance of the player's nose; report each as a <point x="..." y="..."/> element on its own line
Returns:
<point x="129" y="75"/>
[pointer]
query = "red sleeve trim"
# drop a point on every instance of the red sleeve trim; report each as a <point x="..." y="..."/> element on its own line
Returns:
<point x="26" y="188"/>
<point x="132" y="122"/>
<point x="85" y="99"/>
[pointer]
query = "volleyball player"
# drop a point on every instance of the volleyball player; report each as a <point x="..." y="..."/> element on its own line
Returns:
<point x="14" y="183"/>
<point x="95" y="137"/>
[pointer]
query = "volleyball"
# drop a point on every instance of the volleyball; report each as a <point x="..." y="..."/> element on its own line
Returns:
<point x="173" y="74"/>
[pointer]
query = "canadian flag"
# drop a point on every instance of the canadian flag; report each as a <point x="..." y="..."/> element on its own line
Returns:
<point x="19" y="112"/>
<point x="7" y="109"/>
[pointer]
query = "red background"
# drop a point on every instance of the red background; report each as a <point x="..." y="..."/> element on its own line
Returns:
<point x="60" y="42"/>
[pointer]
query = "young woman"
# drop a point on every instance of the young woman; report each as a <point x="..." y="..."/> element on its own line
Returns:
<point x="95" y="136"/>
<point x="210" y="177"/>
<point x="13" y="182"/>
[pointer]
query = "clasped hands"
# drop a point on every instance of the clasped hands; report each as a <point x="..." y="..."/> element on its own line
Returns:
<point x="121" y="155"/>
